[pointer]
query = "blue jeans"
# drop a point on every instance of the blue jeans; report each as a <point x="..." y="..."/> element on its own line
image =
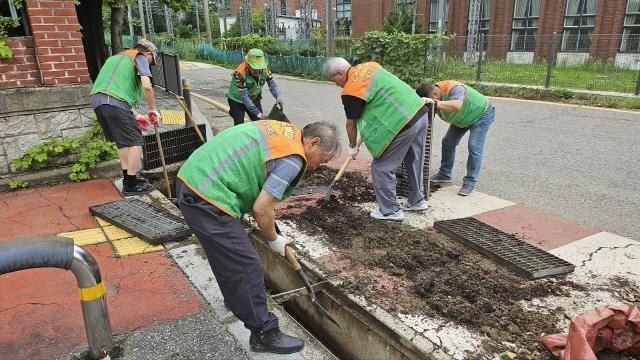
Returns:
<point x="477" y="137"/>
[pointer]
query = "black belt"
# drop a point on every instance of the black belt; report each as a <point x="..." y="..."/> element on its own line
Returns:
<point x="421" y="112"/>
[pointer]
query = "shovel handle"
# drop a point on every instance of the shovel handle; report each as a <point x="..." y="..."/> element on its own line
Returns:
<point x="292" y="258"/>
<point x="188" y="113"/>
<point x="345" y="164"/>
<point x="164" y="164"/>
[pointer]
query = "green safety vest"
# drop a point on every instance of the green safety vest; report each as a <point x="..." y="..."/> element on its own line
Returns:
<point x="253" y="87"/>
<point x="391" y="104"/>
<point x="118" y="78"/>
<point x="229" y="170"/>
<point x="473" y="106"/>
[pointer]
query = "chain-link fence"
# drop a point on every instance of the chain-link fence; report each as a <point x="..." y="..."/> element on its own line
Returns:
<point x="608" y="63"/>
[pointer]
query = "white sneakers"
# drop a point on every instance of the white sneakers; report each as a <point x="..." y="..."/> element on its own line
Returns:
<point x="420" y="206"/>
<point x="396" y="216"/>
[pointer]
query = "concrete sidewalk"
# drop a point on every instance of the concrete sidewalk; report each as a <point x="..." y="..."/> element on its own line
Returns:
<point x="163" y="300"/>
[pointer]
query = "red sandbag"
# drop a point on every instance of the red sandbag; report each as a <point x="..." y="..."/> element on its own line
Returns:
<point x="614" y="327"/>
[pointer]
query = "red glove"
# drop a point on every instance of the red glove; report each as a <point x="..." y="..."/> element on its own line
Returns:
<point x="142" y="123"/>
<point x="153" y="117"/>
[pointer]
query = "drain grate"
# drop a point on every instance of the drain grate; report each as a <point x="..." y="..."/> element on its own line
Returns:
<point x="506" y="249"/>
<point x="145" y="221"/>
<point x="402" y="178"/>
<point x="177" y="145"/>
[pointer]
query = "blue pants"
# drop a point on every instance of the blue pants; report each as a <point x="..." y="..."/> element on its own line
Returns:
<point x="477" y="137"/>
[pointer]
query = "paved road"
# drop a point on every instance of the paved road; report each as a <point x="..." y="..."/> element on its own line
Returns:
<point x="575" y="162"/>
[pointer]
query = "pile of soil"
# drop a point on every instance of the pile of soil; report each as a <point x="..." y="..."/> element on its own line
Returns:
<point x="443" y="278"/>
<point x="351" y="187"/>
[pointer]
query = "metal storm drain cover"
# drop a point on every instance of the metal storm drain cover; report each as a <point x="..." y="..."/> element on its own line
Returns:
<point x="145" y="221"/>
<point x="506" y="249"/>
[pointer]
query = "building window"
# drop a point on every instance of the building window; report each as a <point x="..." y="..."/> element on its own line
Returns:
<point x="483" y="26"/>
<point x="283" y="7"/>
<point x="631" y="31"/>
<point x="579" y="21"/>
<point x="433" y="16"/>
<point x="525" y="25"/>
<point x="8" y="9"/>
<point x="343" y="17"/>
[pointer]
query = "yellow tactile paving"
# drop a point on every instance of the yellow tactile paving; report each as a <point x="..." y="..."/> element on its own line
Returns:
<point x="115" y="233"/>
<point x="85" y="237"/>
<point x="134" y="245"/>
<point x="172" y="117"/>
<point x="102" y="222"/>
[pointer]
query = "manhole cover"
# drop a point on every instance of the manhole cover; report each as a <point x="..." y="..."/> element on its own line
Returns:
<point x="145" y="221"/>
<point x="506" y="249"/>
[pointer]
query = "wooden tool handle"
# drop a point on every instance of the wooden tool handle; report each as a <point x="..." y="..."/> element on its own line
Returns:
<point x="188" y="113"/>
<point x="346" y="163"/>
<point x="291" y="257"/>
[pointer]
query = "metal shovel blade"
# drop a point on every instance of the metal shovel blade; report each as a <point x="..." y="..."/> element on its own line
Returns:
<point x="312" y="295"/>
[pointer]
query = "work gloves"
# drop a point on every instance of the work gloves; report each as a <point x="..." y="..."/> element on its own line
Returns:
<point x="142" y="122"/>
<point x="278" y="245"/>
<point x="154" y="116"/>
<point x="353" y="151"/>
<point x="262" y="116"/>
<point x="429" y="102"/>
<point x="280" y="102"/>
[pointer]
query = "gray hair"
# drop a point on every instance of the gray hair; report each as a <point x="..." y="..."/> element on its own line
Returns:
<point x="334" y="65"/>
<point x="326" y="132"/>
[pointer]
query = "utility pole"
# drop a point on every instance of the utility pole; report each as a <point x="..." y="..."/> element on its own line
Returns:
<point x="474" y="26"/>
<point x="152" y="31"/>
<point x="141" y="14"/>
<point x="329" y="19"/>
<point x="205" y="9"/>
<point x="197" y="20"/>
<point x="413" y="16"/>
<point x="168" y="20"/>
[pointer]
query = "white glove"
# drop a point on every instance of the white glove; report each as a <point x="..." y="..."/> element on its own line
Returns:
<point x="262" y="116"/>
<point x="428" y="101"/>
<point x="353" y="151"/>
<point x="278" y="245"/>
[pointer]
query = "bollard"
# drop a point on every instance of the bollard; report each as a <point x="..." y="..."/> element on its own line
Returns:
<point x="186" y="94"/>
<point x="59" y="252"/>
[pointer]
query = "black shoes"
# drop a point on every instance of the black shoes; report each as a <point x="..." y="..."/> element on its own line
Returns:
<point x="138" y="189"/>
<point x="275" y="341"/>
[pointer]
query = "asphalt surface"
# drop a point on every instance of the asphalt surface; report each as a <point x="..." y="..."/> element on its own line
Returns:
<point x="576" y="162"/>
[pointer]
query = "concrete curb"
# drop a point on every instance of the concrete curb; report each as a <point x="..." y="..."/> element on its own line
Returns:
<point x="105" y="169"/>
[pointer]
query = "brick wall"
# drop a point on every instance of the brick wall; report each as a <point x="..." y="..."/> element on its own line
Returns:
<point x="21" y="69"/>
<point x="551" y="20"/>
<point x="608" y="21"/>
<point x="500" y="28"/>
<point x="58" y="42"/>
<point x="458" y="15"/>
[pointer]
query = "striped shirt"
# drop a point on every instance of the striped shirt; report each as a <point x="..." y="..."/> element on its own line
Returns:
<point x="282" y="172"/>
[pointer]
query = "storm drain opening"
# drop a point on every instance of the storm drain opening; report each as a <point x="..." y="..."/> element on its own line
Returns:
<point x="518" y="255"/>
<point x="149" y="223"/>
<point x="402" y="177"/>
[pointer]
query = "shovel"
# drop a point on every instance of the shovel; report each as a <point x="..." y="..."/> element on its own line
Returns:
<point x="164" y="164"/>
<point x="301" y="274"/>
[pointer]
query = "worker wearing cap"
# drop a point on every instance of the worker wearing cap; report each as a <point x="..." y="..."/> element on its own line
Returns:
<point x="124" y="79"/>
<point x="466" y="110"/>
<point x="245" y="91"/>
<point x="248" y="169"/>
<point x="392" y="121"/>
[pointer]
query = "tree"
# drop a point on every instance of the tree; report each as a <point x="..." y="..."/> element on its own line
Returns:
<point x="400" y="19"/>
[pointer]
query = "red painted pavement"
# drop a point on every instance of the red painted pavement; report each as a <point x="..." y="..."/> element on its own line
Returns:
<point x="542" y="230"/>
<point x="52" y="210"/>
<point x="40" y="313"/>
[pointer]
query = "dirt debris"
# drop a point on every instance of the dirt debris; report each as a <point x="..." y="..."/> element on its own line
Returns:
<point x="434" y="275"/>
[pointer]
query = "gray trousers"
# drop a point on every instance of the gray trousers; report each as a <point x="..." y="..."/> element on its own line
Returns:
<point x="232" y="257"/>
<point x="408" y="146"/>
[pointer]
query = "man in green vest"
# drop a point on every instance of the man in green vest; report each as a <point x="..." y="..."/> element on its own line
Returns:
<point x="466" y="110"/>
<point x="392" y="121"/>
<point x="124" y="79"/>
<point x="245" y="90"/>
<point x="248" y="169"/>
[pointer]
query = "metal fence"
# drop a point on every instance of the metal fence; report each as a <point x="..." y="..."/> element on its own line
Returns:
<point x="593" y="62"/>
<point x="166" y="73"/>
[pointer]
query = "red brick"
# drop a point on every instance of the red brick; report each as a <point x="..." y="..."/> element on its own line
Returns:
<point x="19" y="76"/>
<point x="50" y="74"/>
<point x="50" y="59"/>
<point x="55" y="20"/>
<point x="5" y="69"/>
<point x="8" y="84"/>
<point x="25" y="67"/>
<point x="85" y="78"/>
<point x="65" y="65"/>
<point x="33" y="4"/>
<point x="67" y="80"/>
<point x="44" y="51"/>
<point x="64" y="12"/>
<point x="60" y="50"/>
<point x="75" y="35"/>
<point x="30" y="82"/>
<point x="48" y="43"/>
<point x="43" y="28"/>
<point x="72" y="42"/>
<point x="57" y="35"/>
<point x="77" y="72"/>
<point x="36" y="20"/>
<point x="46" y="66"/>
<point x="39" y="12"/>
<point x="75" y="58"/>
<point x="52" y="4"/>
<point x="70" y="27"/>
